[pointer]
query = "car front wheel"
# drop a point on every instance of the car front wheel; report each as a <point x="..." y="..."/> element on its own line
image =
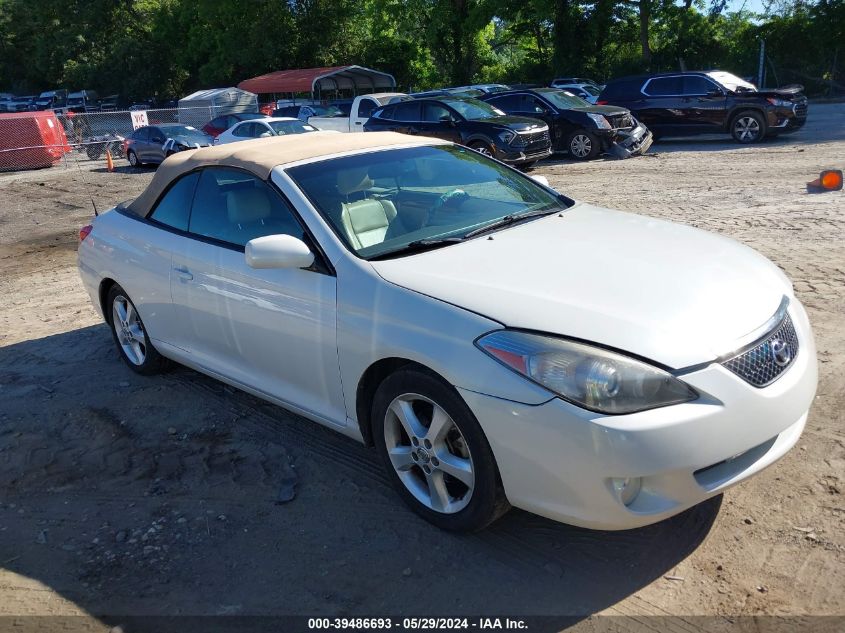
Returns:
<point x="132" y="157"/>
<point x="483" y="148"/>
<point x="582" y="145"/>
<point x="748" y="127"/>
<point x="435" y="452"/>
<point x="129" y="334"/>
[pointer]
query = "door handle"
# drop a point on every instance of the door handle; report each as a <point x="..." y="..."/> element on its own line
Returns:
<point x="358" y="122"/>
<point x="184" y="274"/>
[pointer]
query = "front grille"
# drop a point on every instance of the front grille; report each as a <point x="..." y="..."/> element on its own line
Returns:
<point x="800" y="109"/>
<point x="767" y="360"/>
<point x="620" y="121"/>
<point x="529" y="138"/>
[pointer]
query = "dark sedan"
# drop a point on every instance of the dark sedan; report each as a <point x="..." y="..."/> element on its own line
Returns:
<point x="516" y="140"/>
<point x="583" y="130"/>
<point x="153" y="143"/>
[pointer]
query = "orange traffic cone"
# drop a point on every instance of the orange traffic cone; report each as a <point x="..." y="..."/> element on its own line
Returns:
<point x="109" y="161"/>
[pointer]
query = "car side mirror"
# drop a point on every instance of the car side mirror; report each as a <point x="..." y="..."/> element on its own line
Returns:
<point x="541" y="179"/>
<point x="278" y="251"/>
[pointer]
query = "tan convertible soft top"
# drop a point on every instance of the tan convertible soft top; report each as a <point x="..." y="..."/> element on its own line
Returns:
<point x="260" y="156"/>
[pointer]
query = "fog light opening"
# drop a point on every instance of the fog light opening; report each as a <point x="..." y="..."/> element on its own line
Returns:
<point x="627" y="488"/>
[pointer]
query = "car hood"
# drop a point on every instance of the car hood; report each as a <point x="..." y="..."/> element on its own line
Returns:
<point x="663" y="291"/>
<point x="603" y="109"/>
<point x="519" y="123"/>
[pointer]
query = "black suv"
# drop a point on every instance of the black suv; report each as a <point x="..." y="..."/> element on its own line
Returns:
<point x="515" y="140"/>
<point x="685" y="103"/>
<point x="583" y="130"/>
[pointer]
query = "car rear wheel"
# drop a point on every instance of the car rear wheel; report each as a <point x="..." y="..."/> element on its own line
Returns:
<point x="129" y="334"/>
<point x="582" y="145"/>
<point x="483" y="148"/>
<point x="435" y="452"/>
<point x="748" y="127"/>
<point x="132" y="157"/>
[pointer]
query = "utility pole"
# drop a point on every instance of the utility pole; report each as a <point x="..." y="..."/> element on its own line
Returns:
<point x="761" y="68"/>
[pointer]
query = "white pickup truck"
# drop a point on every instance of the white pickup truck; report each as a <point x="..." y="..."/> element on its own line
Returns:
<point x="362" y="108"/>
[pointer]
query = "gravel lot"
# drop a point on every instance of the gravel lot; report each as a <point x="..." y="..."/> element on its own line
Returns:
<point x="128" y="495"/>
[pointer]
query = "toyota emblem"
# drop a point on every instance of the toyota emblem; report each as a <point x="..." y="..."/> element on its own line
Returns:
<point x="781" y="353"/>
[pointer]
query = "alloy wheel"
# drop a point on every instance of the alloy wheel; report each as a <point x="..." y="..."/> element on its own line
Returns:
<point x="129" y="330"/>
<point x="133" y="159"/>
<point x="581" y="146"/>
<point x="746" y="128"/>
<point x="483" y="149"/>
<point x="429" y="453"/>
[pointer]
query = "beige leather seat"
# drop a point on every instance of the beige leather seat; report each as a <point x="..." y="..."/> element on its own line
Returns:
<point x="248" y="212"/>
<point x="364" y="221"/>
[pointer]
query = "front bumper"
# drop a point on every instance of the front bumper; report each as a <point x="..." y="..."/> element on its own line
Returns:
<point x="557" y="460"/>
<point x="633" y="142"/>
<point x="518" y="157"/>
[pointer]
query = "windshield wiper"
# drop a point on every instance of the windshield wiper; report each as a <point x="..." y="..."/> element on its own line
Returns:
<point x="418" y="246"/>
<point x="512" y="218"/>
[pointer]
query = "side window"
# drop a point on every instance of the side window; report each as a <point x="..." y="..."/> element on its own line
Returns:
<point x="664" y="86"/>
<point x="533" y="104"/>
<point x="366" y="107"/>
<point x="174" y="207"/>
<point x="156" y="135"/>
<point x="244" y="130"/>
<point x="141" y="134"/>
<point x="407" y="111"/>
<point x="434" y="113"/>
<point x="509" y="103"/>
<point x="697" y="85"/>
<point x="235" y="207"/>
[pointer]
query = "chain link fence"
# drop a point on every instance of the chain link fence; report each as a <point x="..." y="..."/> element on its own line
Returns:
<point x="38" y="140"/>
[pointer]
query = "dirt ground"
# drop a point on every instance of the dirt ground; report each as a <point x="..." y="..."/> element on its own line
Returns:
<point x="128" y="495"/>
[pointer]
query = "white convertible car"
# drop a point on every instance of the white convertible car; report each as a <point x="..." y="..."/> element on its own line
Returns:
<point x="499" y="343"/>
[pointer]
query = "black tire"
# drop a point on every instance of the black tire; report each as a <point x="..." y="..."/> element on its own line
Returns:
<point x="132" y="157"/>
<point x="94" y="151"/>
<point x="152" y="362"/>
<point x="748" y="127"/>
<point x="483" y="148"/>
<point x="583" y="145"/>
<point x="487" y="500"/>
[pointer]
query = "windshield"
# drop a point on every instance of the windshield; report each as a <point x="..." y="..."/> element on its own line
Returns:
<point x="382" y="203"/>
<point x="473" y="109"/>
<point x="185" y="133"/>
<point x="732" y="82"/>
<point x="564" y="100"/>
<point x="290" y="127"/>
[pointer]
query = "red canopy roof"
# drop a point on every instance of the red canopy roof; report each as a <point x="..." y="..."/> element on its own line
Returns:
<point x="319" y="79"/>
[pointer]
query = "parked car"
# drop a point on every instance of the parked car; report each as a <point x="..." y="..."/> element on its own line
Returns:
<point x="6" y="101"/>
<point x="499" y="343"/>
<point x="478" y="88"/>
<point x="470" y="122"/>
<point x="21" y="104"/>
<point x="362" y="107"/>
<point x="220" y="124"/>
<point x="109" y="104"/>
<point x="153" y="143"/>
<point x="303" y="112"/>
<point x="583" y="130"/>
<point x="52" y="100"/>
<point x="587" y="92"/>
<point x="570" y="81"/>
<point x="83" y="101"/>
<point x="712" y="102"/>
<point x="263" y="128"/>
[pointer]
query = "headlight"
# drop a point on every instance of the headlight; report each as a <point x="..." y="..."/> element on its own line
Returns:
<point x="779" y="103"/>
<point x="507" y="136"/>
<point x="588" y="376"/>
<point x="599" y="120"/>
